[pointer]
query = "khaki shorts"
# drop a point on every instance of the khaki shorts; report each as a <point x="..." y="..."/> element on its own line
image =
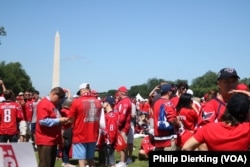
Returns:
<point x="24" y="128"/>
<point x="173" y="147"/>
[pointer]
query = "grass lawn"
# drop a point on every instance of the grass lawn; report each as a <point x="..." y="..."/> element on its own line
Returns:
<point x="136" y="163"/>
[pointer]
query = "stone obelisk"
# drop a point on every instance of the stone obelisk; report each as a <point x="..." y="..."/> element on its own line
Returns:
<point x="56" y="64"/>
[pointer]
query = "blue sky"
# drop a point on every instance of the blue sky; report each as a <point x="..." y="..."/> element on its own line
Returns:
<point x="110" y="43"/>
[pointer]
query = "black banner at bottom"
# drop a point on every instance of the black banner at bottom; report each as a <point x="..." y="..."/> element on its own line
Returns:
<point x="198" y="158"/>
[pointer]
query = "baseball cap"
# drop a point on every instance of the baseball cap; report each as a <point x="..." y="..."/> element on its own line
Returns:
<point x="165" y="88"/>
<point x="189" y="91"/>
<point x="238" y="106"/>
<point x="227" y="73"/>
<point x="20" y="93"/>
<point x="110" y="100"/>
<point x="242" y="86"/>
<point x="123" y="89"/>
<point x="83" y="86"/>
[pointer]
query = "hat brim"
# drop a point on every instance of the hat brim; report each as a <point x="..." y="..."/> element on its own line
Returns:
<point x="226" y="77"/>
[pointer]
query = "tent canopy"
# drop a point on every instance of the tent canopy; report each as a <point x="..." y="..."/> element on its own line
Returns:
<point x="138" y="97"/>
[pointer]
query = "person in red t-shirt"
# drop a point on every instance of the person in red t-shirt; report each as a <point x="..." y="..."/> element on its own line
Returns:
<point x="85" y="115"/>
<point x="48" y="128"/>
<point x="66" y="134"/>
<point x="145" y="106"/>
<point x="212" y="111"/>
<point x="188" y="116"/>
<point x="182" y="88"/>
<point x="147" y="145"/>
<point x="231" y="133"/>
<point x="27" y="115"/>
<point x="124" y="111"/>
<point x="107" y="147"/>
<point x="10" y="116"/>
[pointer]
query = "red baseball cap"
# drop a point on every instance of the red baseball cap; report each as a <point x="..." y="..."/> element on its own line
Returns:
<point x="123" y="89"/>
<point x="242" y="86"/>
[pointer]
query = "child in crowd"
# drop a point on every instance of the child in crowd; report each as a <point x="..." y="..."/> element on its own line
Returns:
<point x="67" y="135"/>
<point x="142" y="125"/>
<point x="109" y="134"/>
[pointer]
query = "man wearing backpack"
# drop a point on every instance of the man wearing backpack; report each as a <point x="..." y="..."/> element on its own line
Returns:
<point x="165" y="121"/>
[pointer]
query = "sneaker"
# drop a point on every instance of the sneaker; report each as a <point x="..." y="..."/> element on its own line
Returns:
<point x="129" y="161"/>
<point x="67" y="165"/>
<point x="121" y="164"/>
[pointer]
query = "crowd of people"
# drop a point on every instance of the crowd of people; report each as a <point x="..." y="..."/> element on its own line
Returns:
<point x="169" y="119"/>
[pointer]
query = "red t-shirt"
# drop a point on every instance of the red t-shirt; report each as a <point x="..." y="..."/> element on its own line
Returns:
<point x="183" y="137"/>
<point x="211" y="111"/>
<point x="147" y="145"/>
<point x="221" y="137"/>
<point x="189" y="118"/>
<point x="171" y="115"/>
<point x="10" y="115"/>
<point x="175" y="100"/>
<point x="65" y="113"/>
<point x="28" y="110"/>
<point x="146" y="107"/>
<point x="86" y="110"/>
<point x="47" y="135"/>
<point x="124" y="110"/>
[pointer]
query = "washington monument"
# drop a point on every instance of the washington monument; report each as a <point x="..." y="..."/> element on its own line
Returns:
<point x="56" y="64"/>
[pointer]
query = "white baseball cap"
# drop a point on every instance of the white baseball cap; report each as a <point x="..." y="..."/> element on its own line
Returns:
<point x="83" y="86"/>
<point x="189" y="91"/>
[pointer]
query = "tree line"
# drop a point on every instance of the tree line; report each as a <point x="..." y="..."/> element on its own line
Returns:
<point x="16" y="78"/>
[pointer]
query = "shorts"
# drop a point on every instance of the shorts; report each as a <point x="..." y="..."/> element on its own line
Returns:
<point x="23" y="128"/>
<point x="83" y="151"/>
<point x="130" y="139"/>
<point x="8" y="138"/>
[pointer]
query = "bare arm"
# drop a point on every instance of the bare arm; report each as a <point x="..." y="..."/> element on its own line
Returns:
<point x="153" y="91"/>
<point x="2" y="85"/>
<point x="191" y="144"/>
<point x="240" y="91"/>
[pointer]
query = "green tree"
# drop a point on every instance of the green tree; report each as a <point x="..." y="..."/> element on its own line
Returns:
<point x="2" y="32"/>
<point x="15" y="77"/>
<point x="145" y="88"/>
<point x="245" y="81"/>
<point x="142" y="89"/>
<point x="203" y="84"/>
